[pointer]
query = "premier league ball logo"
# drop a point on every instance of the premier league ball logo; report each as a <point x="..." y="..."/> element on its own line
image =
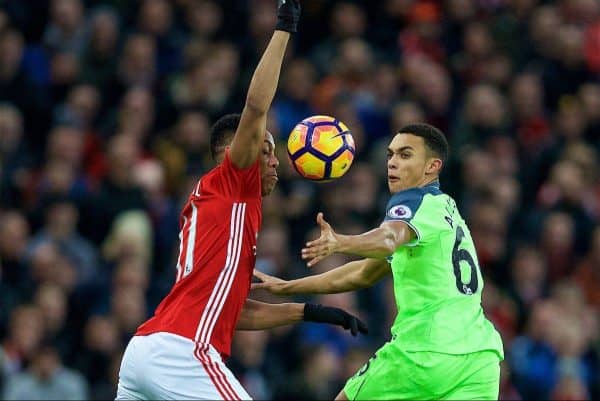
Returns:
<point x="400" y="212"/>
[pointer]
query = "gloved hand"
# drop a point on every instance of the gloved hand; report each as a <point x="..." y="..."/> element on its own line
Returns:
<point x="337" y="316"/>
<point x="288" y="15"/>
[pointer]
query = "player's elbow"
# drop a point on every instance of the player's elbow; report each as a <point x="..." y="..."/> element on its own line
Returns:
<point x="389" y="246"/>
<point x="372" y="271"/>
<point x="364" y="280"/>
<point x="393" y="239"/>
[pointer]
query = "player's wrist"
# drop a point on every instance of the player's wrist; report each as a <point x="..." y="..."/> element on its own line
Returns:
<point x="296" y="312"/>
<point x="311" y="312"/>
<point x="286" y="26"/>
<point x="342" y="243"/>
<point x="320" y="313"/>
<point x="283" y="31"/>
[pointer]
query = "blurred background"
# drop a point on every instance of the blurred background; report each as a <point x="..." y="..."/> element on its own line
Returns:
<point x="105" y="109"/>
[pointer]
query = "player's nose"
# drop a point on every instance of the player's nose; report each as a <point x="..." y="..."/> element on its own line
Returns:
<point x="274" y="161"/>
<point x="392" y="165"/>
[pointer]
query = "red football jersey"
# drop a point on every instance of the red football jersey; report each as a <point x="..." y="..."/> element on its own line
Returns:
<point x="217" y="251"/>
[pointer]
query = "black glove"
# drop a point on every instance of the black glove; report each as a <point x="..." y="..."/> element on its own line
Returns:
<point x="288" y="15"/>
<point x="327" y="314"/>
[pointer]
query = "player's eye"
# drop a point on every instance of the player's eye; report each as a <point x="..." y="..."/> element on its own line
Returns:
<point x="405" y="155"/>
<point x="389" y="155"/>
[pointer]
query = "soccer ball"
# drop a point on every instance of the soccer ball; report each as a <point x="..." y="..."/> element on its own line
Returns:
<point x="321" y="148"/>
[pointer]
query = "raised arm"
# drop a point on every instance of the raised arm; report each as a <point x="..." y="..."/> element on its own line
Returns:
<point x="349" y="277"/>
<point x="249" y="136"/>
<point x="257" y="315"/>
<point x="378" y="243"/>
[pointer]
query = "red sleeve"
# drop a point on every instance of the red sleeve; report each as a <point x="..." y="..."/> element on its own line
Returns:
<point x="235" y="182"/>
<point x="592" y="47"/>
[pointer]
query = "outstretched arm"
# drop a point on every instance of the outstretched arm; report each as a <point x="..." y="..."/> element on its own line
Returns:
<point x="378" y="243"/>
<point x="257" y="315"/>
<point x="249" y="136"/>
<point x="349" y="277"/>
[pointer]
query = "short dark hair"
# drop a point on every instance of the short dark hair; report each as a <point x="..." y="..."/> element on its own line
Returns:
<point x="435" y="140"/>
<point x="222" y="131"/>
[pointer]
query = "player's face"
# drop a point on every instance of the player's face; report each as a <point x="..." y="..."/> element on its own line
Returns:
<point x="268" y="165"/>
<point x="409" y="164"/>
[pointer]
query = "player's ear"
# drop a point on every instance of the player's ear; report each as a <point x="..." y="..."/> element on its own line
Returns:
<point x="434" y="165"/>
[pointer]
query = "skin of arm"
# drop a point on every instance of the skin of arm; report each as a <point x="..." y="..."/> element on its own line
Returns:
<point x="378" y="243"/>
<point x="348" y="277"/>
<point x="249" y="136"/>
<point x="257" y="315"/>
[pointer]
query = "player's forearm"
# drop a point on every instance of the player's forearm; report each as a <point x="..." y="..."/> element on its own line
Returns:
<point x="378" y="243"/>
<point x="257" y="315"/>
<point x="348" y="277"/>
<point x="266" y="76"/>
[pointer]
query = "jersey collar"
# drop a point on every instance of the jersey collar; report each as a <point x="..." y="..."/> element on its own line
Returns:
<point x="433" y="184"/>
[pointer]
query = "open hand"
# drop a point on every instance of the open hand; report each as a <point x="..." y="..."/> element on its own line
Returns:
<point x="272" y="284"/>
<point x="325" y="245"/>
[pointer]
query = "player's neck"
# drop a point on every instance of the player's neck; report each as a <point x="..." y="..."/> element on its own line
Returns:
<point x="428" y="180"/>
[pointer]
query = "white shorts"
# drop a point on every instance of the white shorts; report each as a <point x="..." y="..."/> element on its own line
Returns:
<point x="164" y="366"/>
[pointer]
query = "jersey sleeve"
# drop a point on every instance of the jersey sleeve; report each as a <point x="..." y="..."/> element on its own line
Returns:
<point x="235" y="182"/>
<point x="403" y="206"/>
<point x="424" y="213"/>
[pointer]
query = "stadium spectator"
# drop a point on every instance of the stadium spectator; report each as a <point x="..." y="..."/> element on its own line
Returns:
<point x="105" y="108"/>
<point x="46" y="378"/>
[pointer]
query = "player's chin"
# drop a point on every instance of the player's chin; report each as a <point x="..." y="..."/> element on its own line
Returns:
<point x="268" y="187"/>
<point x="394" y="187"/>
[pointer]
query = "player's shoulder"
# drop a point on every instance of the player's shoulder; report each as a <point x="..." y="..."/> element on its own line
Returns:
<point x="208" y="184"/>
<point x="222" y="171"/>
<point x="207" y="177"/>
<point x="225" y="180"/>
<point x="405" y="204"/>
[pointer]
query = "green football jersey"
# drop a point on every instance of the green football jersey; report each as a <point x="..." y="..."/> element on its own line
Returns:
<point x="437" y="280"/>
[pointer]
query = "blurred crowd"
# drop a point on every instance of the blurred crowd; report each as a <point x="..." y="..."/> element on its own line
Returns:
<point x="105" y="110"/>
